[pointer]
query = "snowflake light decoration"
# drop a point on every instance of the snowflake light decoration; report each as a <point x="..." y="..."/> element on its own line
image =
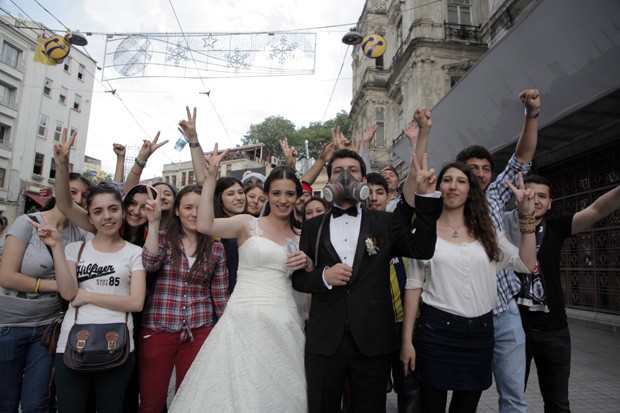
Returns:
<point x="237" y="60"/>
<point x="282" y="50"/>
<point x="177" y="54"/>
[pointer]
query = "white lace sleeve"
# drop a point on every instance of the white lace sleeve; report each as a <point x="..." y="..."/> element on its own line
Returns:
<point x="255" y="229"/>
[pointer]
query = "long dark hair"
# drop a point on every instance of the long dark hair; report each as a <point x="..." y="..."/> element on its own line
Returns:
<point x="221" y="185"/>
<point x="73" y="176"/>
<point x="476" y="211"/>
<point x="175" y="233"/>
<point x="283" y="172"/>
<point x="139" y="233"/>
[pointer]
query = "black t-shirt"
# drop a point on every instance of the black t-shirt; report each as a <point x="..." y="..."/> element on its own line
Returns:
<point x="558" y="228"/>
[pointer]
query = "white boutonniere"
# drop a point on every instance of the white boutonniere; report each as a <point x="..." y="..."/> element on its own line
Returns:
<point x="371" y="246"/>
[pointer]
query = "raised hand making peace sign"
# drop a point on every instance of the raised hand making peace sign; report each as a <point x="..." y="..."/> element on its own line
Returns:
<point x="425" y="178"/>
<point x="63" y="148"/>
<point x="152" y="208"/>
<point x="148" y="148"/>
<point x="523" y="197"/>
<point x="188" y="127"/>
<point x="212" y="163"/>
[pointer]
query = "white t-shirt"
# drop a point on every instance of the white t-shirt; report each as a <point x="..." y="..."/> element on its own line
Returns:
<point x="460" y="279"/>
<point x="103" y="273"/>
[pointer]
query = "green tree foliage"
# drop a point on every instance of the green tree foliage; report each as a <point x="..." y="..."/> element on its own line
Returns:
<point x="274" y="128"/>
<point x="269" y="132"/>
<point x="318" y="134"/>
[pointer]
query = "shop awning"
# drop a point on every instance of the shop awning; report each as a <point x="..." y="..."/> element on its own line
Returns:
<point x="39" y="199"/>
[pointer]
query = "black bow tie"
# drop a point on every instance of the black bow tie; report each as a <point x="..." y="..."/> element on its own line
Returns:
<point x="337" y="212"/>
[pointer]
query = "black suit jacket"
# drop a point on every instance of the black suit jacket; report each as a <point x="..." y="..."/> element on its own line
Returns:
<point x="364" y="305"/>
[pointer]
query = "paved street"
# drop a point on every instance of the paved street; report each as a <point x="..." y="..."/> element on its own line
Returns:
<point x="595" y="374"/>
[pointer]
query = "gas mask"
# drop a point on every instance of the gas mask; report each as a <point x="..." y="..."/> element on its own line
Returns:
<point x="346" y="188"/>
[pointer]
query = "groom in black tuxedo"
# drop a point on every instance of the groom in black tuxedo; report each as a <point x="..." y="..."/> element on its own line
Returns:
<point x="351" y="330"/>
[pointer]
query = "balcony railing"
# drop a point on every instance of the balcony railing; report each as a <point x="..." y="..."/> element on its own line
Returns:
<point x="461" y="31"/>
<point x="398" y="55"/>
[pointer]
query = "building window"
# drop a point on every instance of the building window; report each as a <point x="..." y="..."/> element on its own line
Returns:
<point x="167" y="179"/>
<point x="42" y="126"/>
<point x="5" y="135"/>
<point x="53" y="169"/>
<point x="379" y="63"/>
<point x="2" y="176"/>
<point x="380" y="121"/>
<point x="63" y="95"/>
<point x="183" y="178"/>
<point x="71" y="132"/>
<point x="81" y="70"/>
<point x="399" y="32"/>
<point x="10" y="54"/>
<point x="174" y="181"/>
<point x="47" y="87"/>
<point x="38" y="164"/>
<point x="190" y="177"/>
<point x="58" y="131"/>
<point x="77" y="102"/>
<point x="5" y="95"/>
<point x="67" y="66"/>
<point x="459" y="12"/>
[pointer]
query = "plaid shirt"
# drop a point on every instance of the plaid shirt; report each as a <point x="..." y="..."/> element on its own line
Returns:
<point x="181" y="301"/>
<point x="498" y="194"/>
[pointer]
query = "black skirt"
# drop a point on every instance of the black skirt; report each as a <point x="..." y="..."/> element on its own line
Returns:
<point x="453" y="352"/>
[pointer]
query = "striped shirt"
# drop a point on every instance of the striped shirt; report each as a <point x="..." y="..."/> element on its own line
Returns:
<point x="498" y="194"/>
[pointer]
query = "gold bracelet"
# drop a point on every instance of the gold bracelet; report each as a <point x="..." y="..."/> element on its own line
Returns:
<point x="527" y="223"/>
<point x="36" y="287"/>
<point x="526" y="230"/>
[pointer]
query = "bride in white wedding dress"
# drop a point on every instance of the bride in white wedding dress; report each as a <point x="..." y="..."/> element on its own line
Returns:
<point x="253" y="360"/>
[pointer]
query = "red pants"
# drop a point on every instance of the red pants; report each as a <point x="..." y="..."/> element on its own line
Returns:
<point x="158" y="354"/>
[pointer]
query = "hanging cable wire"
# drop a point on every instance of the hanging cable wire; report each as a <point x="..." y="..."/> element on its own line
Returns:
<point x="344" y="58"/>
<point x="48" y="12"/>
<point x="201" y="79"/>
<point x="22" y="10"/>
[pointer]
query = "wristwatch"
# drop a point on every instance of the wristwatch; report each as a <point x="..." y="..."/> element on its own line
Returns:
<point x="532" y="114"/>
<point x="194" y="144"/>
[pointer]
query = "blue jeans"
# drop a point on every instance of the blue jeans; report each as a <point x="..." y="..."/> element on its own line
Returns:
<point x="509" y="360"/>
<point x="25" y="370"/>
<point x="551" y="351"/>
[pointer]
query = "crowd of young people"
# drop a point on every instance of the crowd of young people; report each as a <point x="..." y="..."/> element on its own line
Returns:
<point x="412" y="279"/>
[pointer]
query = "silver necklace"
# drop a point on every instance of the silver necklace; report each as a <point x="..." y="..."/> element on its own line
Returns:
<point x="455" y="233"/>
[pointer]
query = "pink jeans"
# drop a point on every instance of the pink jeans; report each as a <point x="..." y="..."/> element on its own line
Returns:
<point x="158" y="354"/>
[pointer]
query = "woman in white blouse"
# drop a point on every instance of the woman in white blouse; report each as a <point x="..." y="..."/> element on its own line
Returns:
<point x="452" y="346"/>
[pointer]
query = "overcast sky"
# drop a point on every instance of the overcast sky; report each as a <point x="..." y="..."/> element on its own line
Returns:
<point x="158" y="104"/>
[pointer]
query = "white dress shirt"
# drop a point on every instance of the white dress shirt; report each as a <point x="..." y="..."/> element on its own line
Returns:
<point x="460" y="279"/>
<point x="344" y="232"/>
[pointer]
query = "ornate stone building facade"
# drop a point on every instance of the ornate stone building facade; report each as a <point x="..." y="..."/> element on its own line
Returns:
<point x="430" y="45"/>
<point x="471" y="72"/>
